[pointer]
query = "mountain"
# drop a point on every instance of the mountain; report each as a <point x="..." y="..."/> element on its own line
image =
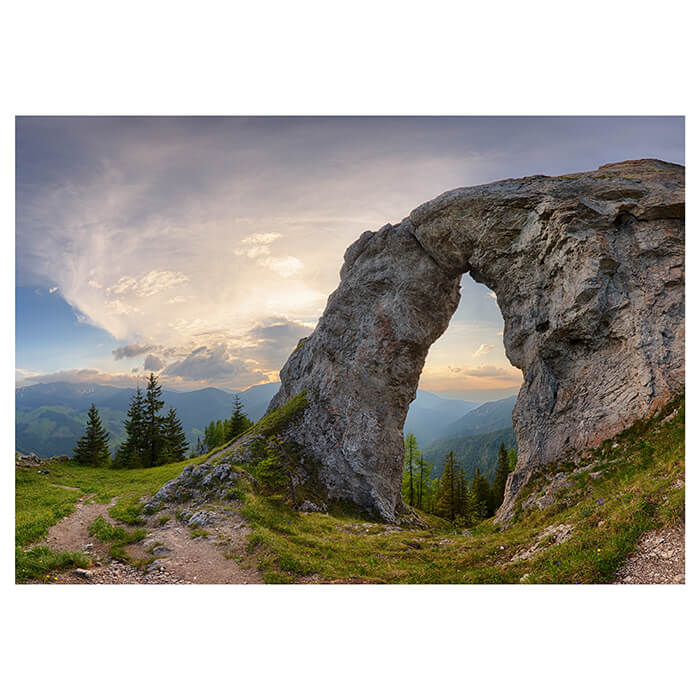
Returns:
<point x="429" y="413"/>
<point x="490" y="416"/>
<point x="475" y="438"/>
<point x="49" y="418"/>
<point x="471" y="451"/>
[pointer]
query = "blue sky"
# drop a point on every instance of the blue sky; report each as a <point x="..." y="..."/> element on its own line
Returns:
<point x="204" y="248"/>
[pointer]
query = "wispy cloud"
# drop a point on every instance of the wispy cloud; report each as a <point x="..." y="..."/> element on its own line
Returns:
<point x="183" y="233"/>
<point x="483" y="349"/>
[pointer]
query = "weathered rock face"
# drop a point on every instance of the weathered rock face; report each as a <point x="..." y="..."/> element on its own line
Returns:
<point x="588" y="271"/>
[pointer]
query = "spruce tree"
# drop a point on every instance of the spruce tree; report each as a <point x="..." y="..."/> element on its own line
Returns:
<point x="93" y="449"/>
<point x="482" y="495"/>
<point x="174" y="441"/>
<point x="239" y="421"/>
<point x="153" y="433"/>
<point x="499" y="482"/>
<point x="131" y="453"/>
<point x="446" y="501"/>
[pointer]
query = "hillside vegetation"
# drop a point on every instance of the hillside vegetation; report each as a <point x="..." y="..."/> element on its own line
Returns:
<point x="575" y="522"/>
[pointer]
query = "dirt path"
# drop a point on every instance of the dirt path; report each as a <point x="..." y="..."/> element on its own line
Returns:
<point x="71" y="533"/>
<point x="212" y="550"/>
<point x="659" y="558"/>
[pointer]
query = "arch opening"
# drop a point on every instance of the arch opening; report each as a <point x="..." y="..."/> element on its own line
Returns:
<point x="588" y="318"/>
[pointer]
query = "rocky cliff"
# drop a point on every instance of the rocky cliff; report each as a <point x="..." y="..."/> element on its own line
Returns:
<point x="588" y="271"/>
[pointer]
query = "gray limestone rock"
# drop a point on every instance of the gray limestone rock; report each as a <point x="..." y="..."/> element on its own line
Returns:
<point x="588" y="271"/>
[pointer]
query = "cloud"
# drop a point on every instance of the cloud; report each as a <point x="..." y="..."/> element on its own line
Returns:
<point x="483" y="349"/>
<point x="131" y="351"/>
<point x="491" y="371"/>
<point x="257" y="247"/>
<point x="272" y="340"/>
<point x="147" y="285"/>
<point x="80" y="376"/>
<point x="196" y="225"/>
<point x="216" y="364"/>
<point x="153" y="363"/>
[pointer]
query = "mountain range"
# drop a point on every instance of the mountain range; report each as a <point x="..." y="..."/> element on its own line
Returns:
<point x="474" y="438"/>
<point x="49" y="418"/>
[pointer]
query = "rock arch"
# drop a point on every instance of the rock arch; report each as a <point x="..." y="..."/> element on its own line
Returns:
<point x="588" y="271"/>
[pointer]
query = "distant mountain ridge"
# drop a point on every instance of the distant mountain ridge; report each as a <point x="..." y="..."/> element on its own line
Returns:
<point x="490" y="416"/>
<point x="475" y="437"/>
<point x="49" y="418"/>
<point x="429" y="413"/>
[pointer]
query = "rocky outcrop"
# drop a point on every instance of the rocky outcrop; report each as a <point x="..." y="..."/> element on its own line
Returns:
<point x="588" y="271"/>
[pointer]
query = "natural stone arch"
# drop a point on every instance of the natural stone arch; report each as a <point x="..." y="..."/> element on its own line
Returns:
<point x="588" y="271"/>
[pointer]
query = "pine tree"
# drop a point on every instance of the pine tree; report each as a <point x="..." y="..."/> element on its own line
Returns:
<point x="174" y="440"/>
<point x="153" y="433"/>
<point x="499" y="482"/>
<point x="93" y="448"/>
<point x="131" y="453"/>
<point x="239" y="421"/>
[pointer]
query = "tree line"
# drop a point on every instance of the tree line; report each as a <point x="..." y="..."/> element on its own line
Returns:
<point x="152" y="439"/>
<point x="220" y="431"/>
<point x="452" y="496"/>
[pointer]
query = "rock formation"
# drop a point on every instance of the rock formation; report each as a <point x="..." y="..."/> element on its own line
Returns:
<point x="588" y="271"/>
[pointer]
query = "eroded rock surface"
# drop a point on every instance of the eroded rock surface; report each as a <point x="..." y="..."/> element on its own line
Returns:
<point x="588" y="271"/>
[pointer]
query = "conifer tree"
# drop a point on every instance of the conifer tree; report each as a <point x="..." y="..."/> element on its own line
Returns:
<point x="446" y="501"/>
<point x="239" y="421"/>
<point x="175" y="442"/>
<point x="153" y="434"/>
<point x="93" y="449"/>
<point x="423" y="483"/>
<point x="131" y="453"/>
<point x="499" y="482"/>
<point x="481" y="493"/>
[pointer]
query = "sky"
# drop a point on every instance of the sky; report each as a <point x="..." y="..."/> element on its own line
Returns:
<point x="204" y="248"/>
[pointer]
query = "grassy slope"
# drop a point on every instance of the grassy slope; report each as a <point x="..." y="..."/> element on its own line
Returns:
<point x="639" y="488"/>
<point x="40" y="503"/>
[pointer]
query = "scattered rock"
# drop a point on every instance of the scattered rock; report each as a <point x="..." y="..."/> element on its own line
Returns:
<point x="202" y="518"/>
<point x="659" y="558"/>
<point x="557" y="533"/>
<point x="309" y="507"/>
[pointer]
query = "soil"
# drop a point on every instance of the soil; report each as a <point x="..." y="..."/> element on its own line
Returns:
<point x="168" y="554"/>
<point x="659" y="558"/>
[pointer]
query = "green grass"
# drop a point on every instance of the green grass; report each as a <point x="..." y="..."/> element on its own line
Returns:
<point x="41" y="563"/>
<point x="634" y="493"/>
<point x="39" y="503"/>
<point x="117" y="536"/>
